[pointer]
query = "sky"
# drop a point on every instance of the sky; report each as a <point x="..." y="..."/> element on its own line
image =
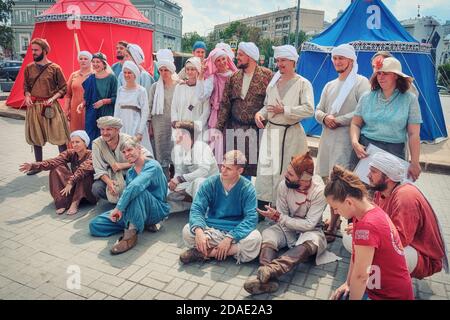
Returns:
<point x="202" y="15"/>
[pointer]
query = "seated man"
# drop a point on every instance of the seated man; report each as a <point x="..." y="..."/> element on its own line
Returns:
<point x="142" y="203"/>
<point x="298" y="218"/>
<point x="223" y="217"/>
<point x="412" y="215"/>
<point x="194" y="162"/>
<point x="110" y="165"/>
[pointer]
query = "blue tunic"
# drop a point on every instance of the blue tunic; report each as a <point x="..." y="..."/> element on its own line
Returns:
<point x="233" y="212"/>
<point x="143" y="202"/>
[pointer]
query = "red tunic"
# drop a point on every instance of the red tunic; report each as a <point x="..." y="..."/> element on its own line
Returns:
<point x="416" y="223"/>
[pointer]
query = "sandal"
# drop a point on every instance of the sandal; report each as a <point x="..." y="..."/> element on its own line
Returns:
<point x="122" y="245"/>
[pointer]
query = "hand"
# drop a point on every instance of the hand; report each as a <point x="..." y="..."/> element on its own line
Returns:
<point x="25" y="167"/>
<point x="49" y="102"/>
<point x="278" y="108"/>
<point x="270" y="213"/>
<point x="259" y="120"/>
<point x="360" y="150"/>
<point x="80" y="108"/>
<point x="99" y="104"/>
<point x="115" y="215"/>
<point x="414" y="171"/>
<point x="28" y="101"/>
<point x="349" y="229"/>
<point x="201" y="242"/>
<point x="112" y="188"/>
<point x="201" y="74"/>
<point x="66" y="190"/>
<point x="173" y="184"/>
<point x="139" y="137"/>
<point x="223" y="248"/>
<point x="343" y="290"/>
<point x="330" y="122"/>
<point x="117" y="167"/>
<point x="174" y="124"/>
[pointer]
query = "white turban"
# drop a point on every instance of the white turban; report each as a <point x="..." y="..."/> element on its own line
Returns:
<point x="82" y="135"/>
<point x="196" y="62"/>
<point x="347" y="51"/>
<point x="109" y="122"/>
<point x="136" y="53"/>
<point x="133" y="68"/>
<point x="250" y="49"/>
<point x="85" y="54"/>
<point x="390" y="165"/>
<point x="226" y="47"/>
<point x="287" y="52"/>
<point x="164" y="58"/>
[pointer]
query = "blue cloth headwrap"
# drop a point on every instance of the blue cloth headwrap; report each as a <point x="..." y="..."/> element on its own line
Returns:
<point x="198" y="45"/>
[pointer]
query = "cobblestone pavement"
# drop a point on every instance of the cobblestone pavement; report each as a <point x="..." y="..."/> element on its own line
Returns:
<point x="39" y="250"/>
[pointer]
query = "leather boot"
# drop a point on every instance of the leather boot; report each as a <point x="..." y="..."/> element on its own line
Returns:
<point x="267" y="254"/>
<point x="284" y="263"/>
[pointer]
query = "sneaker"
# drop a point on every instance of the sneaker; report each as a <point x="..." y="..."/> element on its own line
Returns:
<point x="255" y="286"/>
<point x="33" y="172"/>
<point x="192" y="255"/>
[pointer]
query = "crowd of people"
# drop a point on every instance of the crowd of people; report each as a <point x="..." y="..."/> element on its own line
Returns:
<point x="199" y="137"/>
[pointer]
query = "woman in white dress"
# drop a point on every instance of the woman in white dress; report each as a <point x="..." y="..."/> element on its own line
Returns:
<point x="132" y="106"/>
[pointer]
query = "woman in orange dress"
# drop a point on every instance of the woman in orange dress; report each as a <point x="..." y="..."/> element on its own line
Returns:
<point x="75" y="91"/>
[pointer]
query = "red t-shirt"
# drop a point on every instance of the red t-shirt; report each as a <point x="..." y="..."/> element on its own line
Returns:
<point x="416" y="224"/>
<point x="389" y="278"/>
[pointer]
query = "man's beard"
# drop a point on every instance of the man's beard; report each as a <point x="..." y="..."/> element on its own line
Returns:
<point x="379" y="187"/>
<point x="119" y="57"/>
<point x="39" y="57"/>
<point x="242" y="66"/>
<point x="343" y="70"/>
<point x="291" y="185"/>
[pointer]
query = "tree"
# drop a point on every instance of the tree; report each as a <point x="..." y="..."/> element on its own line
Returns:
<point x="188" y="40"/>
<point x="6" y="34"/>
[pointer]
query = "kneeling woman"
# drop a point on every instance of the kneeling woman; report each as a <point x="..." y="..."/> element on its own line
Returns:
<point x="69" y="186"/>
<point x="142" y="204"/>
<point x="378" y="266"/>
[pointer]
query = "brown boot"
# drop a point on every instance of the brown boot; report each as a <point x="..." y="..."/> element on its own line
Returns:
<point x="267" y="254"/>
<point x="285" y="262"/>
<point x="125" y="243"/>
<point x="192" y="255"/>
<point x="254" y="286"/>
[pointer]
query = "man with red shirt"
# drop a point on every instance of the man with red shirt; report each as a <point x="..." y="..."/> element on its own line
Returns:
<point x="412" y="215"/>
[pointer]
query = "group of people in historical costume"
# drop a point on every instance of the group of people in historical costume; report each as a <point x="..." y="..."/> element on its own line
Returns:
<point x="217" y="125"/>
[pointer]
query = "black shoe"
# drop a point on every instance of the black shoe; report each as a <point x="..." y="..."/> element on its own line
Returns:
<point x="33" y="172"/>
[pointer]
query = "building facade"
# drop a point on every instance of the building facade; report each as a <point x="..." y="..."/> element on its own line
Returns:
<point x="281" y="23"/>
<point x="429" y="30"/>
<point x="166" y="16"/>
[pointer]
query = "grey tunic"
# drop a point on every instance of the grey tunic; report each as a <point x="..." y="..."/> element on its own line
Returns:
<point x="162" y="127"/>
<point x="335" y="146"/>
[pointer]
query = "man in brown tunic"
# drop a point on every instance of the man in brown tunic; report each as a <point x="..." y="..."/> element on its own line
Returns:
<point x="243" y="97"/>
<point x="44" y="84"/>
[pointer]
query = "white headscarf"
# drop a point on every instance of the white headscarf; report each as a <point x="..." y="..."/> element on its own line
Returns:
<point x="82" y="135"/>
<point x="196" y="62"/>
<point x="226" y="47"/>
<point x="164" y="58"/>
<point x="85" y="54"/>
<point x="390" y="165"/>
<point x="133" y="68"/>
<point x="250" y="49"/>
<point x="136" y="53"/>
<point x="287" y="52"/>
<point x="347" y="51"/>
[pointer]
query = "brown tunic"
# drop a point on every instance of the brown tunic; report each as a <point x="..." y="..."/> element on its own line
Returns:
<point x="80" y="174"/>
<point x="38" y="129"/>
<point x="237" y="113"/>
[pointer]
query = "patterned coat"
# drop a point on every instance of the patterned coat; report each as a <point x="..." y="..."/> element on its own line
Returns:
<point x="237" y="113"/>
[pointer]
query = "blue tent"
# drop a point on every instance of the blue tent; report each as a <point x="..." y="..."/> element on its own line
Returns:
<point x="370" y="27"/>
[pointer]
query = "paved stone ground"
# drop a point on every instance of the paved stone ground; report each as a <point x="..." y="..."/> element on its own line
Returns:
<point x="39" y="248"/>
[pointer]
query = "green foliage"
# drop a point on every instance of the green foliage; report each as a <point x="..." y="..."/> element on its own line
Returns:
<point x="188" y="40"/>
<point x="444" y="75"/>
<point x="6" y="34"/>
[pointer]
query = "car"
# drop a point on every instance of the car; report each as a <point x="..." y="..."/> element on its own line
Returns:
<point x="442" y="89"/>
<point x="9" y="69"/>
